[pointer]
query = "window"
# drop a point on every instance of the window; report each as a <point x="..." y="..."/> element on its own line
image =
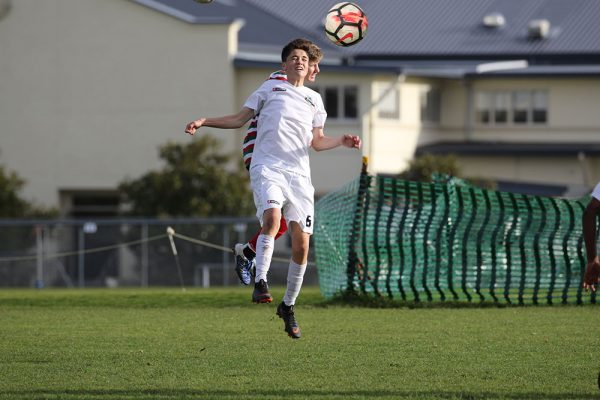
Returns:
<point x="430" y="104"/>
<point x="521" y="102"/>
<point x="484" y="107"/>
<point x="540" y="107"/>
<point x="501" y="107"/>
<point x="518" y="107"/>
<point x="341" y="102"/>
<point x="350" y="102"/>
<point x="388" y="101"/>
<point x="84" y="204"/>
<point x="331" y="99"/>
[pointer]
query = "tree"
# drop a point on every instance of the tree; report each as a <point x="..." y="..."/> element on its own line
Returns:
<point x="429" y="167"/>
<point x="15" y="238"/>
<point x="194" y="182"/>
<point x="423" y="168"/>
<point x="12" y="205"/>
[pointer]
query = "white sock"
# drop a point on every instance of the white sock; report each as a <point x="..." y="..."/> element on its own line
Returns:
<point x="294" y="283"/>
<point x="264" y="253"/>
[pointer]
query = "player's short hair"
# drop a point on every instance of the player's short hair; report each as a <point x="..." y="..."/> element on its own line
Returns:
<point x="301" y="44"/>
<point x="315" y="54"/>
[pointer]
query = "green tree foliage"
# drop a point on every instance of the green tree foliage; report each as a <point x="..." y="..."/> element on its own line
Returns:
<point x="425" y="167"/>
<point x="194" y="182"/>
<point x="429" y="167"/>
<point x="12" y="205"/>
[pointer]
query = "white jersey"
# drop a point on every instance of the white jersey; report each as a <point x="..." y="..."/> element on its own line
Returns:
<point x="288" y="115"/>
<point x="596" y="192"/>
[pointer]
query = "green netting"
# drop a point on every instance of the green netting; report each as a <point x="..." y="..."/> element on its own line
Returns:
<point x="441" y="241"/>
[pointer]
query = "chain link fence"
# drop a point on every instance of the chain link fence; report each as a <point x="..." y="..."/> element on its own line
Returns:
<point x="129" y="252"/>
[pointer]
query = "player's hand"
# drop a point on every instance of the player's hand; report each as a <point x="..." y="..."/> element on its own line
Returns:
<point x="592" y="275"/>
<point x="351" y="141"/>
<point x="192" y="126"/>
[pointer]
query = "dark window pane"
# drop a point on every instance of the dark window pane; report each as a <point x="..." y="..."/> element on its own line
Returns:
<point x="520" y="117"/>
<point x="521" y="102"/>
<point x="331" y="102"/>
<point x="483" y="116"/>
<point x="500" y="116"/>
<point x="501" y="105"/>
<point x="540" y="107"/>
<point x="430" y="105"/>
<point x="350" y="102"/>
<point x="483" y="107"/>
<point x="539" y="116"/>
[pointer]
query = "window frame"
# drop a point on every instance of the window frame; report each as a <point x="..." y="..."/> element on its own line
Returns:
<point x="341" y="92"/>
<point x="431" y="111"/>
<point x="486" y="103"/>
<point x="383" y="90"/>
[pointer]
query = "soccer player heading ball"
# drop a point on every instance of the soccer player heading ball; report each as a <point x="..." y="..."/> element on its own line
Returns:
<point x="291" y="120"/>
<point x="245" y="254"/>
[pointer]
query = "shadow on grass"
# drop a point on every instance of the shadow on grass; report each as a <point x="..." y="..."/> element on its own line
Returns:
<point x="351" y="298"/>
<point x="272" y="394"/>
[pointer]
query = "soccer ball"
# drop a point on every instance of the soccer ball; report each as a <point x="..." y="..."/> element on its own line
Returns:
<point x="346" y="24"/>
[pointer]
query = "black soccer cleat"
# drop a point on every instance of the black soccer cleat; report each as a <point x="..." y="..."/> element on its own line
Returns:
<point x="286" y="313"/>
<point x="261" y="293"/>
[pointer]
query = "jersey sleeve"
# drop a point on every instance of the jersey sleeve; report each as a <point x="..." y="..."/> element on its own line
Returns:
<point x="320" y="113"/>
<point x="256" y="100"/>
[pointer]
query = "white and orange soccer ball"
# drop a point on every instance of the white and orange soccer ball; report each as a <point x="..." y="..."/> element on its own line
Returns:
<point x="346" y="24"/>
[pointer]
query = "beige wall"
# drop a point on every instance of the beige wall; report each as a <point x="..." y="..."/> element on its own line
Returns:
<point x="89" y="90"/>
<point x="573" y="112"/>
<point x="543" y="170"/>
<point x="393" y="140"/>
<point x="573" y="115"/>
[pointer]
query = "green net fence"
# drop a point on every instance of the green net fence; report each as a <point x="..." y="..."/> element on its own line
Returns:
<point x="449" y="241"/>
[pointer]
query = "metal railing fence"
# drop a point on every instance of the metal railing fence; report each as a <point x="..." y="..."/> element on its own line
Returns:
<point x="125" y="252"/>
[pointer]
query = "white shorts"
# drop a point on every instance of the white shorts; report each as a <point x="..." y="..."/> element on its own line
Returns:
<point x="291" y="192"/>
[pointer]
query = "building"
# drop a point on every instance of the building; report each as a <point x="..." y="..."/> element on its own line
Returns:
<point x="91" y="89"/>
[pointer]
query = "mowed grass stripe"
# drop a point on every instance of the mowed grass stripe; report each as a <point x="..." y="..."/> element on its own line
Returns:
<point x="170" y="344"/>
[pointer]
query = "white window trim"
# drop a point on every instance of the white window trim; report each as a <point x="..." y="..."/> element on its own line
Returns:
<point x="341" y="101"/>
<point x="510" y="117"/>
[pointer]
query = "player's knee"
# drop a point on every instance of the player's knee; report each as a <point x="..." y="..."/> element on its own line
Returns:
<point x="300" y="250"/>
<point x="271" y="223"/>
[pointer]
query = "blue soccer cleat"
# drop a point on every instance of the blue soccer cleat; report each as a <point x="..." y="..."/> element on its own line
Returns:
<point x="244" y="267"/>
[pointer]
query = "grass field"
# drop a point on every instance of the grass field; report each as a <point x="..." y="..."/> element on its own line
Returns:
<point x="215" y="344"/>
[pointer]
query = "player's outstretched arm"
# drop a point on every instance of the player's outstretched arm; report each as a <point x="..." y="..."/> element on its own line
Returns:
<point x="590" y="219"/>
<point x="321" y="142"/>
<point x="233" y="121"/>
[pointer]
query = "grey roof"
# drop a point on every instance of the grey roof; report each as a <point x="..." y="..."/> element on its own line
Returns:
<point x="544" y="70"/>
<point x="511" y="148"/>
<point x="455" y="27"/>
<point x="260" y="29"/>
<point x="408" y="33"/>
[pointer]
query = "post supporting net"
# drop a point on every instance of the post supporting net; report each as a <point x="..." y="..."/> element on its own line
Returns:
<point x="449" y="241"/>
